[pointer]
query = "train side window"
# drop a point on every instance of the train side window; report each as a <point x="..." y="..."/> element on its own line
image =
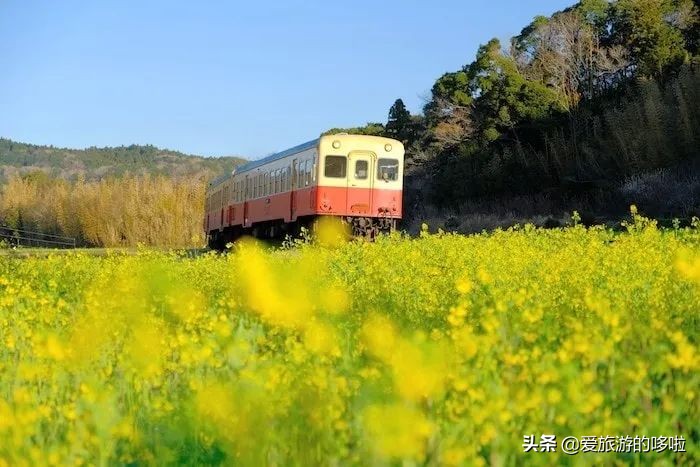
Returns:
<point x="388" y="169"/>
<point x="361" y="168"/>
<point x="312" y="164"/>
<point x="260" y="185"/>
<point x="277" y="181"/>
<point x="335" y="167"/>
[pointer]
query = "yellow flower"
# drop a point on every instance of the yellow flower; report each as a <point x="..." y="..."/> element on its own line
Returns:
<point x="397" y="431"/>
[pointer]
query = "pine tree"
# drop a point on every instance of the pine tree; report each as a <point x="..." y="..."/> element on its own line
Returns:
<point x="399" y="124"/>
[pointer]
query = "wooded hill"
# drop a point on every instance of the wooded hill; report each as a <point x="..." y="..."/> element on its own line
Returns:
<point x="579" y="105"/>
<point x="97" y="163"/>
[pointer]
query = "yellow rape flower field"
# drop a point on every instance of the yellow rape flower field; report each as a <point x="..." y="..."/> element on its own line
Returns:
<point x="438" y="350"/>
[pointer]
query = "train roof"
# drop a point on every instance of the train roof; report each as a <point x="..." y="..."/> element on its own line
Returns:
<point x="265" y="160"/>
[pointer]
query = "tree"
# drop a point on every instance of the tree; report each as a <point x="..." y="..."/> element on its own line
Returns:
<point x="691" y="12"/>
<point x="371" y="129"/>
<point x="502" y="96"/>
<point x="653" y="32"/>
<point x="595" y="13"/>
<point x="448" y="113"/>
<point x="399" y="124"/>
<point x="567" y="52"/>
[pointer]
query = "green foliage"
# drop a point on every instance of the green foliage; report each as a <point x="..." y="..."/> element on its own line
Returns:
<point x="96" y="163"/>
<point x="503" y="97"/>
<point x="399" y="125"/>
<point x="454" y="87"/>
<point x="596" y="13"/>
<point x="527" y="41"/>
<point x="653" y="32"/>
<point x="371" y="129"/>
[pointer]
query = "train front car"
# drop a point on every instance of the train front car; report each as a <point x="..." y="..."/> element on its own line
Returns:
<point x="360" y="179"/>
<point x="353" y="177"/>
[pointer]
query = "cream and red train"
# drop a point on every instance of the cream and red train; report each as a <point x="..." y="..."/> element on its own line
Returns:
<point x="354" y="177"/>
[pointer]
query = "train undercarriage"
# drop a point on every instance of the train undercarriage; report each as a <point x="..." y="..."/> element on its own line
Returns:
<point x="359" y="227"/>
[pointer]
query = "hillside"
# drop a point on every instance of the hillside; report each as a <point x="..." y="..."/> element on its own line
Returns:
<point x="593" y="108"/>
<point x="97" y="163"/>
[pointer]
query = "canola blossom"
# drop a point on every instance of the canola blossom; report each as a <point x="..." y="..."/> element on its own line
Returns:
<point x="438" y="350"/>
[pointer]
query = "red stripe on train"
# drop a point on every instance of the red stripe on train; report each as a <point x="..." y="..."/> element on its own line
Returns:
<point x="317" y="200"/>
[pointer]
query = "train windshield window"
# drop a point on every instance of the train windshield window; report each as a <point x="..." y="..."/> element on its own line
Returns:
<point x="335" y="167"/>
<point x="388" y="170"/>
<point x="361" y="170"/>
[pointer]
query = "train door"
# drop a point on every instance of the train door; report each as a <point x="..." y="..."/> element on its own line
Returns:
<point x="360" y="182"/>
<point x="246" y="188"/>
<point x="294" y="187"/>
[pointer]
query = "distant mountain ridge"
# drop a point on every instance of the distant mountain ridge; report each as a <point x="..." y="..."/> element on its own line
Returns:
<point x="96" y="163"/>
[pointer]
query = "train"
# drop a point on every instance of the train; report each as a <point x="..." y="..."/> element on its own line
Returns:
<point x="356" y="178"/>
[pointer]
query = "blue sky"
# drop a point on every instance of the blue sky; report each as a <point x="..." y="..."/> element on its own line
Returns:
<point x="227" y="78"/>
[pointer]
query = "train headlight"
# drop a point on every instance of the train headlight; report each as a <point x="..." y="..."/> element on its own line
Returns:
<point x="336" y="144"/>
<point x="387" y="147"/>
